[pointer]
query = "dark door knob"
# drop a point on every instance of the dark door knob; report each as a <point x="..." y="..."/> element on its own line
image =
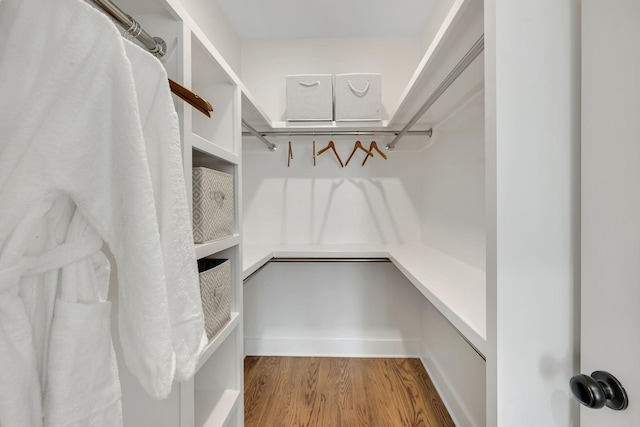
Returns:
<point x="598" y="390"/>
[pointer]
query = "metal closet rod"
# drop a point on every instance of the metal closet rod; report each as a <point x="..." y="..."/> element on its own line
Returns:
<point x="295" y="260"/>
<point x="270" y="145"/>
<point x="317" y="259"/>
<point x="337" y="133"/>
<point x="156" y="45"/>
<point x="466" y="60"/>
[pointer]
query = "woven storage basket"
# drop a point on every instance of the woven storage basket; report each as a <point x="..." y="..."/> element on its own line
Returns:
<point x="215" y="291"/>
<point x="212" y="205"/>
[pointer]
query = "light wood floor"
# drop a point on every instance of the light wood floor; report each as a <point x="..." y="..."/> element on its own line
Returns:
<point x="340" y="392"/>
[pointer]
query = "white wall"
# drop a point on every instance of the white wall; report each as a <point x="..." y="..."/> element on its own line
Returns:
<point x="209" y="17"/>
<point x="457" y="371"/>
<point x="331" y="309"/>
<point x="532" y="118"/>
<point x="266" y="63"/>
<point x="326" y="204"/>
<point x="453" y="187"/>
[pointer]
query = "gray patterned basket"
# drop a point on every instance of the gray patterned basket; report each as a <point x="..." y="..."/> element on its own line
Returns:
<point x="212" y="205"/>
<point x="215" y="291"/>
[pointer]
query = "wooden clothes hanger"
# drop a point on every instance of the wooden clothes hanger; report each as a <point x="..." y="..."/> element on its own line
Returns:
<point x="314" y="152"/>
<point x="358" y="145"/>
<point x="333" y="147"/>
<point x="191" y="98"/>
<point x="374" y="146"/>
<point x="290" y="155"/>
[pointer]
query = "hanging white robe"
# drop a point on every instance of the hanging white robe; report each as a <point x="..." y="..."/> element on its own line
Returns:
<point x="161" y="130"/>
<point x="73" y="164"/>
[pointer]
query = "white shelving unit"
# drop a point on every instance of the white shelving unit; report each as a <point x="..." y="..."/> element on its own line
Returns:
<point x="214" y="397"/>
<point x="208" y="248"/>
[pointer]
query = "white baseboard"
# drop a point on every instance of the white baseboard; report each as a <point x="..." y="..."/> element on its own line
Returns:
<point x="331" y="347"/>
<point x="450" y="397"/>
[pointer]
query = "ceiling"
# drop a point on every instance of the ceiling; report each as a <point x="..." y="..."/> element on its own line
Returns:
<point x="278" y="19"/>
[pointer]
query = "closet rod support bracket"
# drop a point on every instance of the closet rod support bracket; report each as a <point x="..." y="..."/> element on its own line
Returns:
<point x="160" y="49"/>
<point x="156" y="45"/>
<point x="390" y="146"/>
<point x="272" y="147"/>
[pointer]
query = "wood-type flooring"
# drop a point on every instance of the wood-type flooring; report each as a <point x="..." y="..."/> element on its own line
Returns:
<point x="340" y="392"/>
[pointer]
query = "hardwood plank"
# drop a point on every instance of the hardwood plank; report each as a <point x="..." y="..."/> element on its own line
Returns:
<point x="380" y="394"/>
<point x="363" y="410"/>
<point x="340" y="392"/>
<point x="304" y="392"/>
<point x="280" y="399"/>
<point x="260" y="376"/>
<point x="436" y="405"/>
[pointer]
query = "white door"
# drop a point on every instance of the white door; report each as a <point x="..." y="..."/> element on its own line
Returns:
<point x="610" y="290"/>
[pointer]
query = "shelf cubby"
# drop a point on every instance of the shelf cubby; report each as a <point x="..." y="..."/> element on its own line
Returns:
<point x="217" y="388"/>
<point x="210" y="81"/>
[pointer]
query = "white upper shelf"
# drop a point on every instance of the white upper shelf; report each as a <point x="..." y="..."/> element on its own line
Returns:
<point x="462" y="27"/>
<point x="460" y="30"/>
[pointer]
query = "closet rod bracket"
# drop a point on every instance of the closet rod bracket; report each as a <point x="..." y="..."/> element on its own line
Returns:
<point x="156" y="45"/>
<point x="160" y="48"/>
<point x="390" y="147"/>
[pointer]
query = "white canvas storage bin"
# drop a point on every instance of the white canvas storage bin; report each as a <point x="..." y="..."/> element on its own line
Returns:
<point x="212" y="205"/>
<point x="358" y="97"/>
<point x="215" y="292"/>
<point x="310" y="97"/>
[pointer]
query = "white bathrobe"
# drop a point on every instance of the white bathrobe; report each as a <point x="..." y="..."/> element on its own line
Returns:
<point x="161" y="130"/>
<point x="74" y="173"/>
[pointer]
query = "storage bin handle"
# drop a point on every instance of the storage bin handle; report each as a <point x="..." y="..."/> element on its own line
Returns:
<point x="218" y="197"/>
<point x="359" y="92"/>
<point x="316" y="83"/>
